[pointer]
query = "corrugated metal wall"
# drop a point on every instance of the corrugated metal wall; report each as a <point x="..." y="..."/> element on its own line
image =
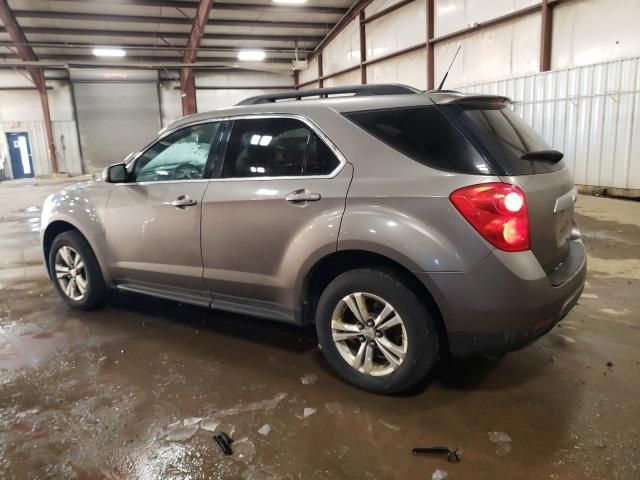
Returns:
<point x="66" y="141"/>
<point x="591" y="113"/>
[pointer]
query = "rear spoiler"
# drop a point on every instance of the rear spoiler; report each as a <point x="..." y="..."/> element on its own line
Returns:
<point x="456" y="98"/>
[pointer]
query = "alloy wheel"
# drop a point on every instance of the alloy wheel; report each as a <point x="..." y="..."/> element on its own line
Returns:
<point x="369" y="334"/>
<point x="70" y="273"/>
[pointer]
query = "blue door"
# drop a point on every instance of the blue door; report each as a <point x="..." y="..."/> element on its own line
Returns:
<point x="20" y="153"/>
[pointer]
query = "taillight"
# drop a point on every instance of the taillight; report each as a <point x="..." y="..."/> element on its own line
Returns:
<point x="498" y="211"/>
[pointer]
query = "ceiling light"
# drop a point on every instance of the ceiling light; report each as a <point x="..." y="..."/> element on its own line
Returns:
<point x="251" y="55"/>
<point x="109" y="52"/>
<point x="290" y="2"/>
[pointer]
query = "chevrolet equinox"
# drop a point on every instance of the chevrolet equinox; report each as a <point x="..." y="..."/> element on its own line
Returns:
<point x="403" y="224"/>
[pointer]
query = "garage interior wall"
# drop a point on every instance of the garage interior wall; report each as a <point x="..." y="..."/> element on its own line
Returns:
<point x="116" y="115"/>
<point x="588" y="105"/>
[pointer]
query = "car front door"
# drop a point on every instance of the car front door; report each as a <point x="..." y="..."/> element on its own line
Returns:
<point x="153" y="220"/>
<point x="273" y="205"/>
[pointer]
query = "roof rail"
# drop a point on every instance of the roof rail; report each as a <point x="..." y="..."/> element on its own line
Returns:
<point x="355" y="90"/>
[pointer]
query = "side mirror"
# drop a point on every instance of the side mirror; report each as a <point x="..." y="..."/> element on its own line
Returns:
<point x="115" y="173"/>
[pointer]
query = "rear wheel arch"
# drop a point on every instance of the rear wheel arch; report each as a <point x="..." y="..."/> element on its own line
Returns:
<point x="336" y="263"/>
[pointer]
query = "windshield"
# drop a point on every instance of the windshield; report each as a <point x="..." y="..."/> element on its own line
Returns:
<point x="503" y="137"/>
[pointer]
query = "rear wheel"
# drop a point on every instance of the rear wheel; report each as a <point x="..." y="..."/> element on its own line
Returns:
<point x="76" y="273"/>
<point x="375" y="332"/>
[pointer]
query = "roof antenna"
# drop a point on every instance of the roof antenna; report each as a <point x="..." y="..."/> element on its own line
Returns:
<point x="444" y="79"/>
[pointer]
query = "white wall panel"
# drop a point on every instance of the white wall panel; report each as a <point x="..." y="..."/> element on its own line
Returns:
<point x="591" y="31"/>
<point x="501" y="51"/>
<point x="350" y="78"/>
<point x="310" y="86"/>
<point x="402" y="28"/>
<point x="454" y="15"/>
<point x="378" y="5"/>
<point x="215" y="99"/>
<point x="311" y="73"/>
<point x="410" y="69"/>
<point x="243" y="79"/>
<point x="170" y="102"/>
<point x="590" y="113"/>
<point x="343" y="51"/>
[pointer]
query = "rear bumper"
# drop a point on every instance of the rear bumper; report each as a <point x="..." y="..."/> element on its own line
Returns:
<point x="507" y="301"/>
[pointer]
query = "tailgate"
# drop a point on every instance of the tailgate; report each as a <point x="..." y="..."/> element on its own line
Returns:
<point x="550" y="200"/>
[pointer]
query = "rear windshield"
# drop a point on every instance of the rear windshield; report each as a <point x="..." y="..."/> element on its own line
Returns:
<point x="425" y="135"/>
<point x="503" y="137"/>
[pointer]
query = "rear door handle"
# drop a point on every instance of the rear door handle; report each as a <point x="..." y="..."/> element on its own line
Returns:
<point x="184" y="201"/>
<point x="300" y="196"/>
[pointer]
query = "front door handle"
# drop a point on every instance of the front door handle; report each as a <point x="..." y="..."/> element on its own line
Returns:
<point x="184" y="201"/>
<point x="300" y="196"/>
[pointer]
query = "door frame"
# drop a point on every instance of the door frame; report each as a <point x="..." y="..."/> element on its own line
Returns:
<point x="15" y="173"/>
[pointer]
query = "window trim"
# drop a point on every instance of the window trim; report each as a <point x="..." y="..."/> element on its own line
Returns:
<point x="342" y="160"/>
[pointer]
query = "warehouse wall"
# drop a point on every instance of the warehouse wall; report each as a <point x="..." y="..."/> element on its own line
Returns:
<point x="587" y="106"/>
<point x="21" y="111"/>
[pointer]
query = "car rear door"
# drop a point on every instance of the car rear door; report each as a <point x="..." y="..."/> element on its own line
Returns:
<point x="153" y="221"/>
<point x="274" y="206"/>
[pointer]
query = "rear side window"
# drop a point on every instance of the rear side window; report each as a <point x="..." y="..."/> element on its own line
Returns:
<point x="276" y="147"/>
<point x="426" y="135"/>
<point x="505" y="138"/>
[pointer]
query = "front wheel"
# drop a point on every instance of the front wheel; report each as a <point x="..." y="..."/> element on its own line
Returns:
<point x="75" y="272"/>
<point x="375" y="332"/>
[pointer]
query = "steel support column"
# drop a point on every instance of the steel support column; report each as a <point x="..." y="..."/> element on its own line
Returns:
<point x="187" y="80"/>
<point x="363" y="48"/>
<point x="545" y="42"/>
<point x="430" y="46"/>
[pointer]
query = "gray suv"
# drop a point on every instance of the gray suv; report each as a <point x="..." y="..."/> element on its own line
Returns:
<point x="405" y="225"/>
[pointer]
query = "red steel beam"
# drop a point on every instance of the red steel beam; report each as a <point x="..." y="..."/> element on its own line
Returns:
<point x="27" y="54"/>
<point x="545" y="41"/>
<point x="187" y="81"/>
<point x="320" y="71"/>
<point x="431" y="62"/>
<point x="363" y="48"/>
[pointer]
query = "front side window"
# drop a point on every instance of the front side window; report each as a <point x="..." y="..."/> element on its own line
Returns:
<point x="276" y="147"/>
<point x="179" y="156"/>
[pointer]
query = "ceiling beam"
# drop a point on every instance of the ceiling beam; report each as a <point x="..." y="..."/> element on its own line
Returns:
<point x="99" y="17"/>
<point x="26" y="54"/>
<point x="155" y="47"/>
<point x="145" y="59"/>
<point x="181" y="4"/>
<point x="85" y="32"/>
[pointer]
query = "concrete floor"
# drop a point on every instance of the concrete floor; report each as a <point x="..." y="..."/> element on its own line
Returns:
<point x="95" y="395"/>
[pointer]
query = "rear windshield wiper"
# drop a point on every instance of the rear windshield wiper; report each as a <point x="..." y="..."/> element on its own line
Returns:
<point x="549" y="155"/>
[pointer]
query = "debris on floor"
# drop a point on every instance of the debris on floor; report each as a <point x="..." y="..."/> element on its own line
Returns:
<point x="182" y="433"/>
<point x="308" y="412"/>
<point x="502" y="441"/>
<point x="334" y="408"/>
<point x="390" y="426"/>
<point x="244" y="448"/>
<point x="439" y="475"/>
<point x="309" y="379"/>
<point x="453" y="456"/>
<point x="224" y="441"/>
<point x="187" y="422"/>
<point x="209" y="424"/>
<point x="265" y="430"/>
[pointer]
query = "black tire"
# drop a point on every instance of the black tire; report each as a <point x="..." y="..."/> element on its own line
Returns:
<point x="97" y="292"/>
<point x="422" y="349"/>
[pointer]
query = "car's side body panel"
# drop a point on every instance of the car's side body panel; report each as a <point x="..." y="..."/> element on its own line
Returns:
<point x="254" y="242"/>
